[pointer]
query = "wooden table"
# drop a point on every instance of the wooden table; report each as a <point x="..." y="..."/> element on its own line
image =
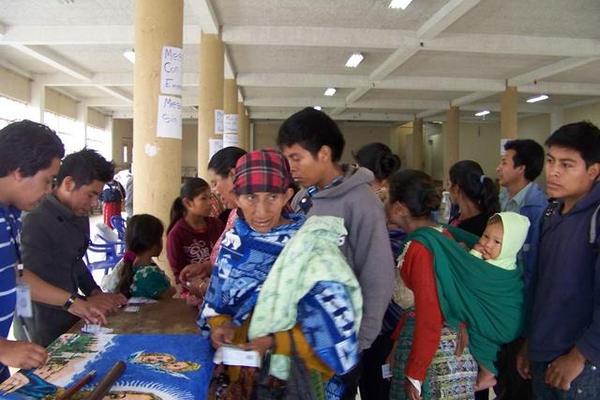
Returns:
<point x="169" y="316"/>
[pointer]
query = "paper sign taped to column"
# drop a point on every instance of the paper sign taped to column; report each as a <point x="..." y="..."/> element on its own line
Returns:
<point x="231" y="123"/>
<point x="214" y="145"/>
<point x="230" y="139"/>
<point x="168" y="122"/>
<point x="502" y="143"/>
<point x="219" y="116"/>
<point x="171" y="70"/>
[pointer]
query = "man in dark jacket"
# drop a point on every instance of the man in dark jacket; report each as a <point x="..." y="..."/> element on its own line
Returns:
<point x="55" y="238"/>
<point x="562" y="352"/>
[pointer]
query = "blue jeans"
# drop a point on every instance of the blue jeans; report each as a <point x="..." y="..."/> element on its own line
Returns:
<point x="585" y="387"/>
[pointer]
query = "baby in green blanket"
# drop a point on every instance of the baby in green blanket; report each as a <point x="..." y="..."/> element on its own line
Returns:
<point x="499" y="245"/>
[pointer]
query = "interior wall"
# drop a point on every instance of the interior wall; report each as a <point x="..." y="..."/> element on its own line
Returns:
<point x="14" y="85"/>
<point x="96" y="118"/>
<point x="590" y="113"/>
<point x="356" y="135"/>
<point x="122" y="135"/>
<point x="60" y="104"/>
<point x="189" y="150"/>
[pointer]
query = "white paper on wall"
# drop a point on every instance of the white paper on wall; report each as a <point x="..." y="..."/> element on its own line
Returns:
<point x="502" y="143"/>
<point x="171" y="71"/>
<point x="214" y="145"/>
<point x="231" y="123"/>
<point x="219" y="116"/>
<point x="168" y="121"/>
<point x="230" y="139"/>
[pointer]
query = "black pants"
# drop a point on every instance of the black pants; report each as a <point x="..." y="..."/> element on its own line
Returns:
<point x="510" y="384"/>
<point x="371" y="382"/>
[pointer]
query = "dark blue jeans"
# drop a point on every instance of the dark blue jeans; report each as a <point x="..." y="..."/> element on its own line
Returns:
<point x="585" y="387"/>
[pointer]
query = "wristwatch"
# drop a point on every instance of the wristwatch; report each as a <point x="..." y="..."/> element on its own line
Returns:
<point x="70" y="301"/>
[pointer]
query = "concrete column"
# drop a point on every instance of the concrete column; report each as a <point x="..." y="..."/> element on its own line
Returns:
<point x="82" y="121"/>
<point x="212" y="58"/>
<point x="230" y="107"/>
<point x="417" y="144"/>
<point x="243" y="126"/>
<point x="450" y="138"/>
<point x="557" y="119"/>
<point x="37" y="102"/>
<point x="508" y="114"/>
<point x="156" y="161"/>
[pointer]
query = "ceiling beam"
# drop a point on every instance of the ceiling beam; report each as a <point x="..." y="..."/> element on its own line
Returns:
<point x="549" y="70"/>
<point x="49" y="57"/>
<point x="470" y="98"/>
<point x="318" y="37"/>
<point x="363" y="39"/>
<point x="445" y="17"/>
<point x="353" y="116"/>
<point x="301" y="80"/>
<point x="116" y="92"/>
<point x="569" y="88"/>
<point x="436" y="24"/>
<point x="106" y="79"/>
<point x="204" y="11"/>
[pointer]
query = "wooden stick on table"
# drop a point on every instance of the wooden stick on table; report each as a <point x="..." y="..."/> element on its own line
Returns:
<point x="107" y="382"/>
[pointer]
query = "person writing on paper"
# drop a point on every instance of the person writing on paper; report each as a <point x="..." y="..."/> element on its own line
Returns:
<point x="30" y="156"/>
<point x="247" y="257"/>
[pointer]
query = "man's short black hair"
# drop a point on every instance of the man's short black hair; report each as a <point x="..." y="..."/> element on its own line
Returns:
<point x="583" y="137"/>
<point x="29" y="147"/>
<point x="312" y="129"/>
<point x="86" y="166"/>
<point x="528" y="153"/>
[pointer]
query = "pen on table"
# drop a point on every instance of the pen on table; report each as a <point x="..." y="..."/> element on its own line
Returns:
<point x="77" y="386"/>
<point x="107" y="382"/>
<point x="25" y="330"/>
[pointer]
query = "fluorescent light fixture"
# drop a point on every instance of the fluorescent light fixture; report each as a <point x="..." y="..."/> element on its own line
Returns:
<point x="399" y="4"/>
<point x="130" y="55"/>
<point x="541" y="97"/>
<point x="482" y="113"/>
<point x="318" y="108"/>
<point x="329" y="91"/>
<point x="354" y="60"/>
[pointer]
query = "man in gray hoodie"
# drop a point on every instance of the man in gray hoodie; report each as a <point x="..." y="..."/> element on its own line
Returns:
<point x="313" y="144"/>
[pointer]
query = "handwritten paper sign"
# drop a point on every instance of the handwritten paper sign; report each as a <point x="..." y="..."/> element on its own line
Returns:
<point x="219" y="117"/>
<point x="230" y="139"/>
<point x="171" y="71"/>
<point x="231" y="123"/>
<point x="168" y="122"/>
<point x="214" y="145"/>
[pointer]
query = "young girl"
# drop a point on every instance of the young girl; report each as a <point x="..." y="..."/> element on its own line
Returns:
<point x="192" y="233"/>
<point x="137" y="275"/>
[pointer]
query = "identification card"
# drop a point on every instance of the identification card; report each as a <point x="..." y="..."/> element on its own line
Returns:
<point x="23" y="307"/>
<point x="386" y="372"/>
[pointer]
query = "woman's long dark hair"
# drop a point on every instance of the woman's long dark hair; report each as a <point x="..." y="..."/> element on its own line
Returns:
<point x="470" y="179"/>
<point x="416" y="190"/>
<point x="191" y="188"/>
<point x="144" y="231"/>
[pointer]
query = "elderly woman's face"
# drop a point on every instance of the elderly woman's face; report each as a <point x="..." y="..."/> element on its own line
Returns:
<point x="262" y="210"/>
<point x="224" y="186"/>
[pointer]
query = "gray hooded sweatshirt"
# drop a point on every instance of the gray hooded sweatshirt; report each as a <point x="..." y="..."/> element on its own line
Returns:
<point x="367" y="247"/>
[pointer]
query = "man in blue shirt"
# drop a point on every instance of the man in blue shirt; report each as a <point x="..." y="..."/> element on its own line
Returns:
<point x="562" y="352"/>
<point x="30" y="156"/>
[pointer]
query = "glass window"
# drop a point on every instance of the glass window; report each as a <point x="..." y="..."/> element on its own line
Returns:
<point x="11" y="110"/>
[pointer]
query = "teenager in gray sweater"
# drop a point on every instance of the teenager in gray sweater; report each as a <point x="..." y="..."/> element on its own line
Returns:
<point x="313" y="144"/>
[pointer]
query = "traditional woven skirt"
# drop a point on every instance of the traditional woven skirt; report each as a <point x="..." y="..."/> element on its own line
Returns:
<point x="448" y="377"/>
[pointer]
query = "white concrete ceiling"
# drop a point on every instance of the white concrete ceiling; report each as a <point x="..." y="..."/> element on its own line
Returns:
<point x="284" y="53"/>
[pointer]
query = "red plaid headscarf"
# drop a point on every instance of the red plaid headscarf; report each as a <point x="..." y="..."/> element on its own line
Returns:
<point x="262" y="171"/>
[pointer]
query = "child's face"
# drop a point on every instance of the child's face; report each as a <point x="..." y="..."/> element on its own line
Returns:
<point x="490" y="243"/>
<point x="262" y="210"/>
<point x="199" y="205"/>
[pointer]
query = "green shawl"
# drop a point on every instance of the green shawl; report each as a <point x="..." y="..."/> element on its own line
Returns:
<point x="487" y="298"/>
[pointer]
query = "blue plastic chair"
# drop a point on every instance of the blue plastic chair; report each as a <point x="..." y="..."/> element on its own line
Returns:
<point x="112" y="255"/>
<point x="119" y="224"/>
